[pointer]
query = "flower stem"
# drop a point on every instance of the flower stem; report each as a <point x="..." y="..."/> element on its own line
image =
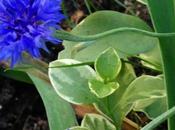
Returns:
<point x="78" y="38"/>
<point x="88" y="6"/>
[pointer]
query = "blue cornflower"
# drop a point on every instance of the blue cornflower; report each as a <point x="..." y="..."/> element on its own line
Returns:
<point x="25" y="26"/>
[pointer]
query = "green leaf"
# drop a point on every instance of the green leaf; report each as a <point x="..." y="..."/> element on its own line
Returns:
<point x="125" y="43"/>
<point x="60" y="113"/>
<point x="108" y="65"/>
<point x="54" y="105"/>
<point x="77" y="128"/>
<point x="164" y="23"/>
<point x="97" y="122"/>
<point x="16" y="75"/>
<point x="71" y="83"/>
<point x="102" y="90"/>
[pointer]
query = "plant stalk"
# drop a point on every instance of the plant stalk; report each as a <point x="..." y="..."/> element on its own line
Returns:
<point x="163" y="17"/>
<point x="64" y="35"/>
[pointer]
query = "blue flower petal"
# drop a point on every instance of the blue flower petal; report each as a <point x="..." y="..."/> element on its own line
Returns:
<point x="25" y="26"/>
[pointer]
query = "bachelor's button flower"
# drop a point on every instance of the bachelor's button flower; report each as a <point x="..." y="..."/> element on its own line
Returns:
<point x="25" y="26"/>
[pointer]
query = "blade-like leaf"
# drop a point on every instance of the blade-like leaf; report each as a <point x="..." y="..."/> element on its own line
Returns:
<point x="16" y="75"/>
<point x="164" y="22"/>
<point x="59" y="112"/>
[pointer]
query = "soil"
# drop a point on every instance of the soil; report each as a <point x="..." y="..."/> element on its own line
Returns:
<point x="21" y="107"/>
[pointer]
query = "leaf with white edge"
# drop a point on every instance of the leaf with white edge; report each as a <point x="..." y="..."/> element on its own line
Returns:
<point x="145" y="91"/>
<point x="102" y="90"/>
<point x="125" y="43"/>
<point x="97" y="122"/>
<point x="149" y="107"/>
<point x="143" y="1"/>
<point x="78" y="128"/>
<point x="153" y="56"/>
<point x="144" y="87"/>
<point x="148" y="92"/>
<point x="108" y="65"/>
<point x="71" y="83"/>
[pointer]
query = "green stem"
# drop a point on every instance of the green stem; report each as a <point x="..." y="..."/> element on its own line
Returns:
<point x="76" y="38"/>
<point x="124" y="6"/>
<point x="92" y="5"/>
<point x="163" y="16"/>
<point x="88" y="6"/>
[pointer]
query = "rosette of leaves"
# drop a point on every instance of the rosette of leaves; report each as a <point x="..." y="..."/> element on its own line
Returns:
<point x="114" y="92"/>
